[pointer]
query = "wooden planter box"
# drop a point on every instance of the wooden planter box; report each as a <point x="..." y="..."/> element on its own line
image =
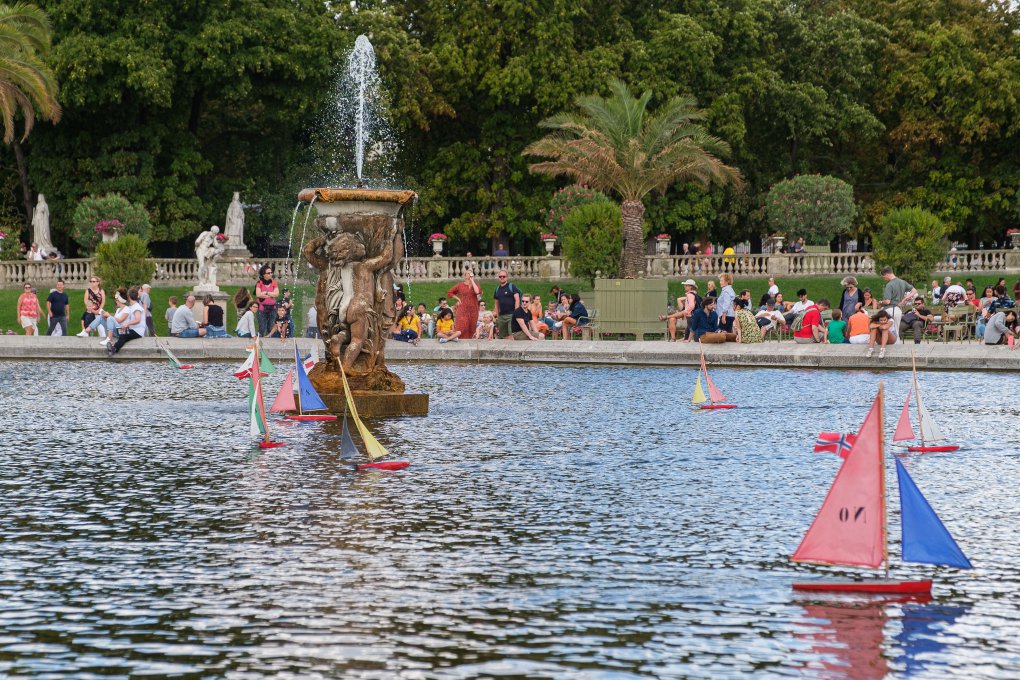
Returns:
<point x="630" y="305"/>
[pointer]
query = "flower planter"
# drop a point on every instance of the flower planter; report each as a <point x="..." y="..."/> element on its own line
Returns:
<point x="550" y="243"/>
<point x="110" y="236"/>
<point x="437" y="248"/>
<point x="662" y="246"/>
<point x="1014" y="240"/>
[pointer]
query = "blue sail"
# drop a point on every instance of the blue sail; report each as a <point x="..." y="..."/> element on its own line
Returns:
<point x="925" y="538"/>
<point x="310" y="400"/>
<point x="348" y="451"/>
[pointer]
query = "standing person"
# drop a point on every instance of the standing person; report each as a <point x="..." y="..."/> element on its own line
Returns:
<point x="28" y="311"/>
<point x="312" y="322"/>
<point x="465" y="308"/>
<point x="501" y="251"/>
<point x="724" y="303"/>
<point x="691" y="302"/>
<point x="508" y="298"/>
<point x="170" y="311"/>
<point x="57" y="309"/>
<point x="852" y="296"/>
<point x="132" y="326"/>
<point x="266" y="292"/>
<point x="896" y="293"/>
<point x="773" y="287"/>
<point x="145" y="300"/>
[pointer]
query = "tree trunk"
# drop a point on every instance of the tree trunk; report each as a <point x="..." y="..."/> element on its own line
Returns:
<point x="632" y="262"/>
<point x="26" y="191"/>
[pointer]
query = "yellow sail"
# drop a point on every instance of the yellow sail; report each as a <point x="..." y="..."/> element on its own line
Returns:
<point x="699" y="394"/>
<point x="372" y="445"/>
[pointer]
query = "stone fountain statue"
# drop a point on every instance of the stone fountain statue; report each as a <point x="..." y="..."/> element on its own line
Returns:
<point x="41" y="226"/>
<point x="209" y="246"/>
<point x="233" y="227"/>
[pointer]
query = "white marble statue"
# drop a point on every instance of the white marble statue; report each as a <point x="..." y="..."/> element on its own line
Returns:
<point x="41" y="226"/>
<point x="207" y="249"/>
<point x="234" y="226"/>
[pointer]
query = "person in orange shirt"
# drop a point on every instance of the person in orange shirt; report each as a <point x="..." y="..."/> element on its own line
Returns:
<point x="857" y="327"/>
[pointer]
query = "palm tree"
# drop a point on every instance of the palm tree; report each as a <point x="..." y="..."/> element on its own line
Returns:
<point x="27" y="85"/>
<point x="615" y="145"/>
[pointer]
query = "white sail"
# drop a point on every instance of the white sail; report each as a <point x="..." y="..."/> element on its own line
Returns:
<point x="930" y="431"/>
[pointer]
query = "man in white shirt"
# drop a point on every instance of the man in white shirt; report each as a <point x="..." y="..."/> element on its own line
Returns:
<point x="799" y="306"/>
<point x="184" y="324"/>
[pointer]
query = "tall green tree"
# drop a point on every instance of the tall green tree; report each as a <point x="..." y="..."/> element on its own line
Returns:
<point x="616" y="145"/>
<point x="27" y="85"/>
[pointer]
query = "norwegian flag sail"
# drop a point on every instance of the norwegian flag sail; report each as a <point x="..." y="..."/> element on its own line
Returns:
<point x="835" y="442"/>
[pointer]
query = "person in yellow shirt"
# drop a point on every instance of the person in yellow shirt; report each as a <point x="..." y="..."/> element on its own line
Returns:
<point x="408" y="327"/>
<point x="444" y="327"/>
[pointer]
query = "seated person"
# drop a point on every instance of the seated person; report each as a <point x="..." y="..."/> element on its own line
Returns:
<point x="916" y="319"/>
<point x="247" y="326"/>
<point x="857" y="330"/>
<point x="770" y="318"/>
<point x="880" y="330"/>
<point x="1000" y="327"/>
<point x="428" y="326"/>
<point x="184" y="324"/>
<point x="577" y="316"/>
<point x="486" y="328"/>
<point x="705" y="324"/>
<point x="408" y="326"/>
<point x="213" y="319"/>
<point x="521" y="323"/>
<point x="745" y="326"/>
<point x="444" y="326"/>
<point x="812" y="330"/>
<point x="835" y="330"/>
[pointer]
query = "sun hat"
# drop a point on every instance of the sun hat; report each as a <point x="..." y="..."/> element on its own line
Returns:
<point x="689" y="282"/>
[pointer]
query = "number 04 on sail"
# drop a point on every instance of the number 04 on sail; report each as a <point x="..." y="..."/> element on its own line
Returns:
<point x="851" y="526"/>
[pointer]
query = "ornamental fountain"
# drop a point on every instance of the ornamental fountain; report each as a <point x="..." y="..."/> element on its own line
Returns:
<point x="361" y="240"/>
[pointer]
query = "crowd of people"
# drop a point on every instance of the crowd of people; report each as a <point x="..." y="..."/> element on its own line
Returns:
<point x="860" y="317"/>
<point x="514" y="314"/>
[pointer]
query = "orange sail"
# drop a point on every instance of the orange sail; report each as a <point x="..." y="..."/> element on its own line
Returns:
<point x="850" y="526"/>
<point x="903" y="429"/>
<point x="285" y="397"/>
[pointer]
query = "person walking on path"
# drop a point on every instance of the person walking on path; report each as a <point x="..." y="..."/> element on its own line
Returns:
<point x="28" y="311"/>
<point x="508" y="298"/>
<point x="57" y="309"/>
<point x="465" y="308"/>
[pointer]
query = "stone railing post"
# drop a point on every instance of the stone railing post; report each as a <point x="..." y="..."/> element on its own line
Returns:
<point x="778" y="264"/>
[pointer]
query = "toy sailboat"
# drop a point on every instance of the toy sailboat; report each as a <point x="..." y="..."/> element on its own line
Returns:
<point x="929" y="429"/>
<point x="715" y="395"/>
<point x="372" y="446"/>
<point x="265" y="365"/>
<point x="307" y="398"/>
<point x="850" y="528"/>
<point x="170" y="355"/>
<point x="258" y="423"/>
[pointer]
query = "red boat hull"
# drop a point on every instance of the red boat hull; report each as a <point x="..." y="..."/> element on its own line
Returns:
<point x="385" y="465"/>
<point x="933" y="449"/>
<point x="875" y="586"/>
<point x="185" y="367"/>
<point x="306" y="418"/>
<point x="271" y="445"/>
<point x="710" y="407"/>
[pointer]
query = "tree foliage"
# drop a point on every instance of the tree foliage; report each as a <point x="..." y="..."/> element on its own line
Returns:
<point x="912" y="241"/>
<point x="593" y="239"/>
<point x="92" y="209"/>
<point x="815" y="207"/>
<point x="566" y="200"/>
<point x="124" y="262"/>
<point x="27" y="85"/>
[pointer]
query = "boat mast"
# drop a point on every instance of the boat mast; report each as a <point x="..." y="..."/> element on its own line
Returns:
<point x="917" y="399"/>
<point x="881" y="463"/>
<point x="297" y="395"/>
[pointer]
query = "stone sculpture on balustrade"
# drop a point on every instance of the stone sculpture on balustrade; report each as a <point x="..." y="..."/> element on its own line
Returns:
<point x="209" y="246"/>
<point x="41" y="226"/>
<point x="233" y="227"/>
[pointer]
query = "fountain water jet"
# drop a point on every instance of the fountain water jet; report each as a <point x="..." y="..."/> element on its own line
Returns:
<point x="361" y="241"/>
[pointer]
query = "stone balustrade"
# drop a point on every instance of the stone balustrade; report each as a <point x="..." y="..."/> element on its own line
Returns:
<point x="239" y="272"/>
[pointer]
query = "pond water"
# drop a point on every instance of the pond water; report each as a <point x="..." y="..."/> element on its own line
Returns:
<point x="555" y="522"/>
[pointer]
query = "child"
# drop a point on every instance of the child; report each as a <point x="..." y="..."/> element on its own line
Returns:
<point x="486" y="329"/>
<point x="836" y="329"/>
<point x="170" y="311"/>
<point x="408" y="328"/>
<point x="86" y="319"/>
<point x="444" y="326"/>
<point x="282" y="325"/>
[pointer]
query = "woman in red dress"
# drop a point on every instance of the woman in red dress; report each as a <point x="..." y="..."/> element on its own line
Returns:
<point x="467" y="293"/>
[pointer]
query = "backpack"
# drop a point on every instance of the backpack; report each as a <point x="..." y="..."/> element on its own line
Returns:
<point x="798" y="323"/>
<point x="697" y="301"/>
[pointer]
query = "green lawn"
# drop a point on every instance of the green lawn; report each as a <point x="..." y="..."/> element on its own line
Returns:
<point x="430" y="291"/>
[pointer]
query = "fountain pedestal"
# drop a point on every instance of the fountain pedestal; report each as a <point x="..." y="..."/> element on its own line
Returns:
<point x="362" y="239"/>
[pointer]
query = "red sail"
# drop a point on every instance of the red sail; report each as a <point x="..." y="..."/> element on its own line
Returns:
<point x="285" y="397"/>
<point x="904" y="431"/>
<point x="850" y="526"/>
